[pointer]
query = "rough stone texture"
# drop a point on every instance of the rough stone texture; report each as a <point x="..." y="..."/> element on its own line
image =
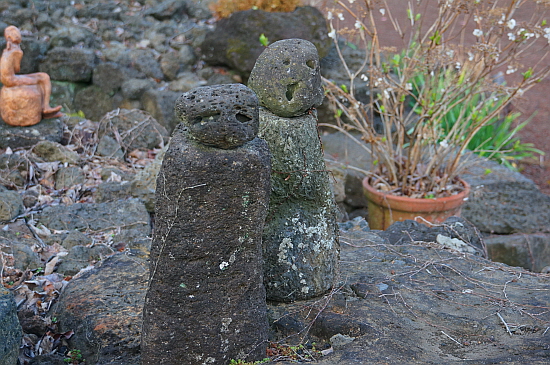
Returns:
<point x="463" y="234"/>
<point x="144" y="60"/>
<point x="206" y="269"/>
<point x="68" y="176"/>
<point x="168" y="9"/>
<point x="53" y="151"/>
<point x="95" y="103"/>
<point x="234" y="42"/>
<point x="133" y="129"/>
<point x="133" y="89"/>
<point x="69" y="64"/>
<point x="11" y="205"/>
<point x="504" y="201"/>
<point x="103" y="306"/>
<point x="63" y="93"/>
<point x="160" y="104"/>
<point x="224" y="116"/>
<point x="10" y="330"/>
<point x="128" y="214"/>
<point x="301" y="236"/>
<point x="142" y="186"/>
<point x="80" y="257"/>
<point x="69" y="36"/>
<point x="530" y="251"/>
<point x="402" y="303"/>
<point x="109" y="76"/>
<point x="109" y="147"/>
<point x="287" y="78"/>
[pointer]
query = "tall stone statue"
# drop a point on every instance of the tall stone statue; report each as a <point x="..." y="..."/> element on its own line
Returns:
<point x="206" y="299"/>
<point x="24" y="99"/>
<point x="301" y="246"/>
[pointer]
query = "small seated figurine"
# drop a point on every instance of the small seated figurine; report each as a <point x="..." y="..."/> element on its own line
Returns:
<point x="24" y="99"/>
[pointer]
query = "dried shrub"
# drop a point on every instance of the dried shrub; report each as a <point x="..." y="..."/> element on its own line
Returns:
<point x="224" y="8"/>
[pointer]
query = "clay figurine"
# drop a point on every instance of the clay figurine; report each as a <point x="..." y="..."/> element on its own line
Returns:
<point x="24" y="99"/>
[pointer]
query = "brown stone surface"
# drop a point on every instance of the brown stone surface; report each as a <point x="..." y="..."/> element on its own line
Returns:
<point x="206" y="300"/>
<point x="24" y="99"/>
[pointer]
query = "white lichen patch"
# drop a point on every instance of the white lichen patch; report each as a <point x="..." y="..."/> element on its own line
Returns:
<point x="305" y="289"/>
<point x="224" y="265"/>
<point x="225" y="324"/>
<point x="455" y="244"/>
<point x="284" y="246"/>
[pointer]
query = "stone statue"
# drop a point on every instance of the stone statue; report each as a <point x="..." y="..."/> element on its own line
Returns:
<point x="24" y="99"/>
<point x="300" y="239"/>
<point x="206" y="299"/>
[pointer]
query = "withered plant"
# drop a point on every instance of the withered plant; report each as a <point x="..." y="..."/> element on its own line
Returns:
<point x="439" y="90"/>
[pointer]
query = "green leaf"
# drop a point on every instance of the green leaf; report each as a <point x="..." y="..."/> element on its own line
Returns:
<point x="344" y="88"/>
<point x="436" y="38"/>
<point x="527" y="74"/>
<point x="263" y="40"/>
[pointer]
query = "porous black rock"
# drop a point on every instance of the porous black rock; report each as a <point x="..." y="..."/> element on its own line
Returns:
<point x="206" y="275"/>
<point x="234" y="41"/>
<point x="223" y="116"/>
<point x="287" y="78"/>
<point x="10" y="330"/>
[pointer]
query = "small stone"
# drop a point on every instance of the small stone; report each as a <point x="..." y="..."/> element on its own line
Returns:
<point x="287" y="78"/>
<point x="133" y="129"/>
<point x="11" y="205"/>
<point x="75" y="238"/>
<point x="80" y="257"/>
<point x="67" y="177"/>
<point x="186" y="81"/>
<point x="340" y="340"/>
<point x="95" y="103"/>
<point x="223" y="116"/>
<point x="144" y="60"/>
<point x="160" y="104"/>
<point x="53" y="151"/>
<point x="133" y="89"/>
<point x="109" y="76"/>
<point x="109" y="147"/>
<point x="69" y="64"/>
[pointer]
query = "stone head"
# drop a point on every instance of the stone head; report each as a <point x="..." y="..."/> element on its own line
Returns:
<point x="12" y="34"/>
<point x="287" y="77"/>
<point x="223" y="116"/>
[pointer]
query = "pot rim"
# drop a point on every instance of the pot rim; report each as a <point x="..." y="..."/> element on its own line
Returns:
<point x="418" y="204"/>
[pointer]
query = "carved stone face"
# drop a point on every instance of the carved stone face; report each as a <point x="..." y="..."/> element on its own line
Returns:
<point x="223" y="116"/>
<point x="287" y="77"/>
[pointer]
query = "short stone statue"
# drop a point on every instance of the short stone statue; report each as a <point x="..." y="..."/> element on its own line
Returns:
<point x="301" y="246"/>
<point x="24" y="99"/>
<point x="206" y="299"/>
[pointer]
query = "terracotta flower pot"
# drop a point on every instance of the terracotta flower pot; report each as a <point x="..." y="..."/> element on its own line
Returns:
<point x="385" y="209"/>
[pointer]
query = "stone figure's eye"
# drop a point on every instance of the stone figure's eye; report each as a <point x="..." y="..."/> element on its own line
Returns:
<point x="311" y="64"/>
<point x="286" y="62"/>
<point x="243" y="118"/>
<point x="202" y="119"/>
